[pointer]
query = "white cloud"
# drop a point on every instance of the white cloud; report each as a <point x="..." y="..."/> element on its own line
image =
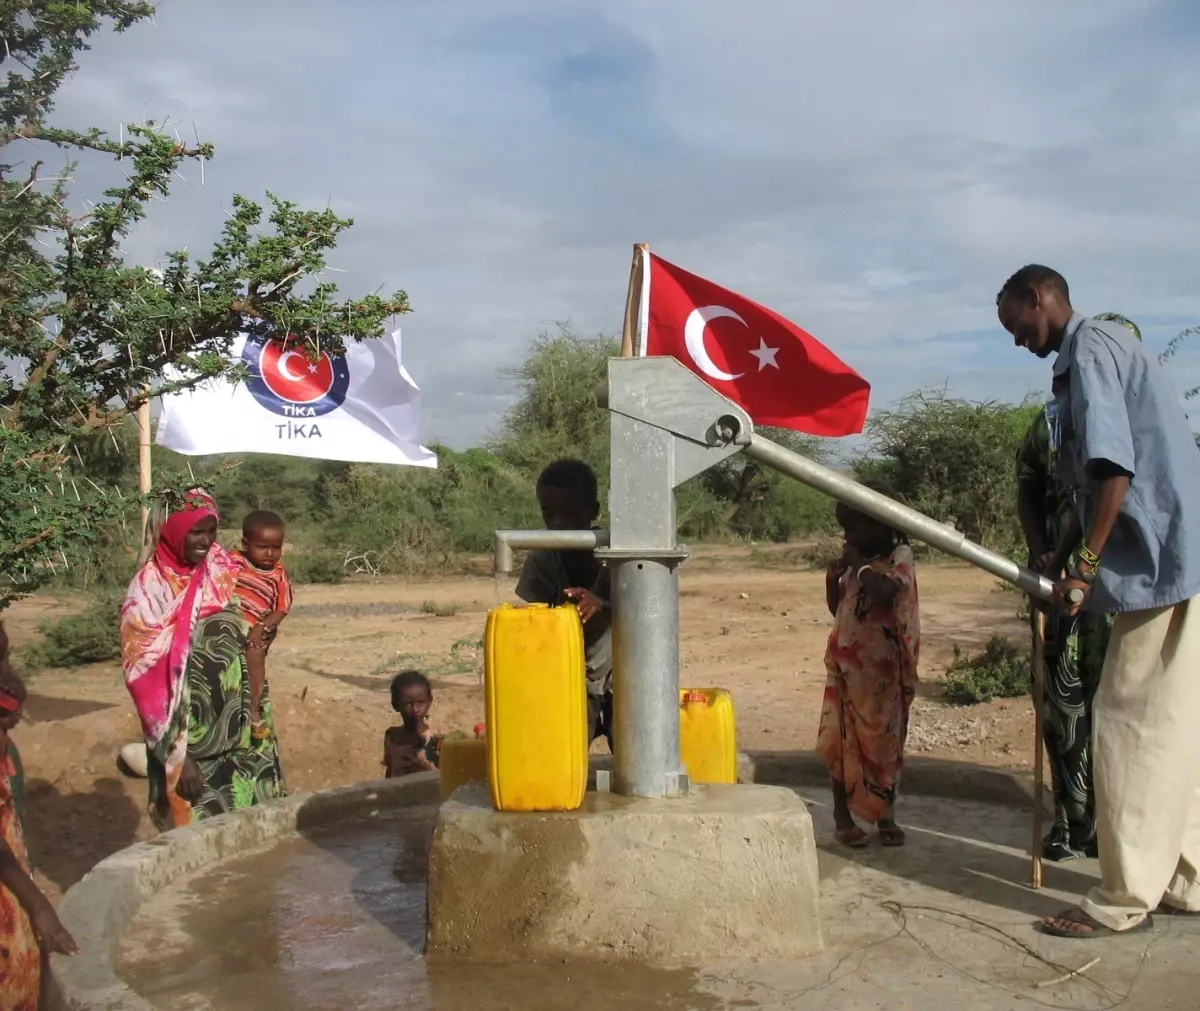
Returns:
<point x="874" y="171"/>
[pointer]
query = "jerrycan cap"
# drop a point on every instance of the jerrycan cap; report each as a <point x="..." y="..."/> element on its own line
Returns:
<point x="480" y="730"/>
<point x="695" y="696"/>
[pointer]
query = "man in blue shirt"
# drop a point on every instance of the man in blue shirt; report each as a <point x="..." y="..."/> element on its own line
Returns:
<point x="1128" y="457"/>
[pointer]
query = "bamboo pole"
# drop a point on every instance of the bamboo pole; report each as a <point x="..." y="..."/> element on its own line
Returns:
<point x="145" y="478"/>
<point x="1039" y="695"/>
<point x="633" y="301"/>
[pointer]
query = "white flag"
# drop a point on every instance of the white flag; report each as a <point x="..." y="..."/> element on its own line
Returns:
<point x="362" y="407"/>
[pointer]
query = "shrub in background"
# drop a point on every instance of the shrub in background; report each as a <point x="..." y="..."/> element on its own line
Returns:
<point x="1001" y="671"/>
<point x="91" y="636"/>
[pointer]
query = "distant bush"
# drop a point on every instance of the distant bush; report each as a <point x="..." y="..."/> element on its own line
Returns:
<point x="954" y="460"/>
<point x="436" y="610"/>
<point x="309" y="567"/>
<point x="1001" y="671"/>
<point x="947" y="457"/>
<point x="91" y="636"/>
<point x="812" y="557"/>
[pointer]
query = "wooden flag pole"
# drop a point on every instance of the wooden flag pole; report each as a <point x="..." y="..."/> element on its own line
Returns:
<point x="145" y="482"/>
<point x="1039" y="695"/>
<point x="633" y="302"/>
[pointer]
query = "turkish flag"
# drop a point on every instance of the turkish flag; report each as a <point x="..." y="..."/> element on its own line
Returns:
<point x="779" y="374"/>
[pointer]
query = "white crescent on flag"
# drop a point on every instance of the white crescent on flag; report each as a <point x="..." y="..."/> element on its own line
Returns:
<point x="693" y="336"/>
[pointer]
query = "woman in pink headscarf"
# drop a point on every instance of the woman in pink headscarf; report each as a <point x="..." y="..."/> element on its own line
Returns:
<point x="183" y="645"/>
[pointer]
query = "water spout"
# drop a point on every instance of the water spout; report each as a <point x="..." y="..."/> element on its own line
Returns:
<point x="505" y="542"/>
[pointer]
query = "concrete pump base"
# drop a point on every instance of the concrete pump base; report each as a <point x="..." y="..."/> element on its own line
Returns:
<point x="728" y="872"/>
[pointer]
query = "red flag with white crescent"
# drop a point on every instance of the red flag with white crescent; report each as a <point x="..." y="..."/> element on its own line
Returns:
<point x="778" y="373"/>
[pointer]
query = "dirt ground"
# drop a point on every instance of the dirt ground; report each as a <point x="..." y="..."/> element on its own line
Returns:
<point x="748" y="623"/>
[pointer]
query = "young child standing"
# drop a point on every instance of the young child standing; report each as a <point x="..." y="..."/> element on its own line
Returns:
<point x="568" y="498"/>
<point x="871" y="675"/>
<point x="265" y="593"/>
<point x="410" y="747"/>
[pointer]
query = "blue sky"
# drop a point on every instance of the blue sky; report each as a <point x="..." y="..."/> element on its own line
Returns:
<point x="873" y="171"/>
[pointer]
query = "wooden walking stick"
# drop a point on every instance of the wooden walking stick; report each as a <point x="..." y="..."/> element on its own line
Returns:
<point x="1039" y="694"/>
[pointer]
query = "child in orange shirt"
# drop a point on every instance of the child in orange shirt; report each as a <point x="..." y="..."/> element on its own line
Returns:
<point x="265" y="594"/>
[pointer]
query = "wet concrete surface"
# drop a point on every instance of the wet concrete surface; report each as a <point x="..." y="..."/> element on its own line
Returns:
<point x="336" y="920"/>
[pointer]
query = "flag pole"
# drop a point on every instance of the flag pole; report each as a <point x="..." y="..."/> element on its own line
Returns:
<point x="633" y="301"/>
<point x="145" y="482"/>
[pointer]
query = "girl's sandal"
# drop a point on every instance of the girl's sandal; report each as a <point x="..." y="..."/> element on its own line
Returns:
<point x="890" y="834"/>
<point x="260" y="730"/>
<point x="854" y="837"/>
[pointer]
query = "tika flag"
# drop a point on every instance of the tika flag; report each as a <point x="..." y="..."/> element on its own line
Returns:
<point x="779" y="374"/>
<point x="362" y="407"/>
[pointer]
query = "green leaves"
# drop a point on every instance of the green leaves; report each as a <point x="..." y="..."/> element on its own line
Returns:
<point x="952" y="459"/>
<point x="1001" y="671"/>
<point x="85" y="336"/>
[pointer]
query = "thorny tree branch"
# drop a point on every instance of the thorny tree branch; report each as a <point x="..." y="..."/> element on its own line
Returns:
<point x="85" y="336"/>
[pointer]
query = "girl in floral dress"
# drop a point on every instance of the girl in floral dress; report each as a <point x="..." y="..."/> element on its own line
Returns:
<point x="871" y="675"/>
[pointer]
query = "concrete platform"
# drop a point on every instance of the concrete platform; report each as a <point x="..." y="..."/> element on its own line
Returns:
<point x="728" y="872"/>
<point x="318" y="902"/>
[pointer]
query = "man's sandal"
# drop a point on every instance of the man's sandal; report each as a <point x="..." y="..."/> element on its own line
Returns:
<point x="1092" y="928"/>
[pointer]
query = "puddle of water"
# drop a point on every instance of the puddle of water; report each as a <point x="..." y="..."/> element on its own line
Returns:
<point x="337" y="920"/>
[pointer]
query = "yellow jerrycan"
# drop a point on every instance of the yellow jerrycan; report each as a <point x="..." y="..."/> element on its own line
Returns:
<point x="535" y="690"/>
<point x="463" y="760"/>
<point x="707" y="735"/>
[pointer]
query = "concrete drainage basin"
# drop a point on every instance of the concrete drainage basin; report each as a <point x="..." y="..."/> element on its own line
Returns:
<point x="320" y="903"/>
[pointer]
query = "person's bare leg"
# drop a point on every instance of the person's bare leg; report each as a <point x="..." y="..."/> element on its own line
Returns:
<point x="256" y="667"/>
<point x="848" y="833"/>
<point x="890" y="833"/>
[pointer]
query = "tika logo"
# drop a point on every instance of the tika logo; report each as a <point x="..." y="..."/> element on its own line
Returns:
<point x="291" y="382"/>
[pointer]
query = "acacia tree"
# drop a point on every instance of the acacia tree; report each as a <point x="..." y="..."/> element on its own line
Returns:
<point x="952" y="459"/>
<point x="85" y="338"/>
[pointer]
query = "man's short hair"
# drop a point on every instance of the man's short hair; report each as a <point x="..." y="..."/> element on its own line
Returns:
<point x="1033" y="276"/>
<point x="574" y="476"/>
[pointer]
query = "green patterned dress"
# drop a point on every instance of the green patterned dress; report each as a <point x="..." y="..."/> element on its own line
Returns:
<point x="1075" y="648"/>
<point x="238" y="771"/>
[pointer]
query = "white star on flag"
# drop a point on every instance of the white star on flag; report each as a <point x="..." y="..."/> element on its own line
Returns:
<point x="765" y="355"/>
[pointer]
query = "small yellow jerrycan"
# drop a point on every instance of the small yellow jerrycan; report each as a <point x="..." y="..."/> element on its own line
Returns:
<point x="707" y="735"/>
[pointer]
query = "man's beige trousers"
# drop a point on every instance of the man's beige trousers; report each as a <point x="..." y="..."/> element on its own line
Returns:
<point x="1146" y="743"/>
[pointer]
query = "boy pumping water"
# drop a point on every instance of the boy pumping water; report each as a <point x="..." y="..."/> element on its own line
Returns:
<point x="568" y="498"/>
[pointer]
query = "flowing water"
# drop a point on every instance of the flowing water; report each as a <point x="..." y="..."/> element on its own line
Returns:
<point x="335" y="921"/>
